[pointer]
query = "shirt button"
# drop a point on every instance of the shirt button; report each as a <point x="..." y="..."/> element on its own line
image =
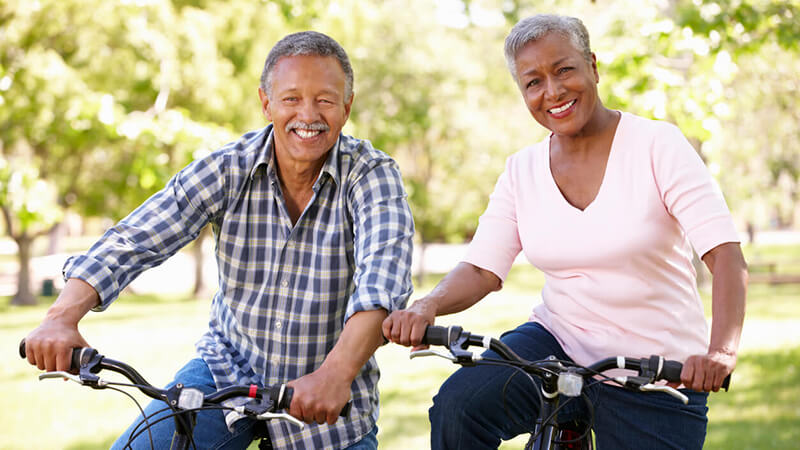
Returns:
<point x="284" y="283"/>
<point x="278" y="325"/>
<point x="275" y="360"/>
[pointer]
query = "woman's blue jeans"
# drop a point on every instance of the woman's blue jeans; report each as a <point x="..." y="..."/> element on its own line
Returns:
<point x="469" y="412"/>
<point x="210" y="432"/>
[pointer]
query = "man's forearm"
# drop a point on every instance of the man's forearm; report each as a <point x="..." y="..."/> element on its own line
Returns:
<point x="360" y="338"/>
<point x="75" y="301"/>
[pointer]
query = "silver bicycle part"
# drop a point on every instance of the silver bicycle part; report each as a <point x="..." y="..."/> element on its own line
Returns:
<point x="665" y="389"/>
<point x="60" y="374"/>
<point x="190" y="398"/>
<point x="429" y="352"/>
<point x="570" y="384"/>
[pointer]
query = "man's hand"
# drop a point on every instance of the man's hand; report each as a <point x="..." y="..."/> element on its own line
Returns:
<point x="49" y="346"/>
<point x="319" y="396"/>
<point x="705" y="373"/>
<point x="407" y="326"/>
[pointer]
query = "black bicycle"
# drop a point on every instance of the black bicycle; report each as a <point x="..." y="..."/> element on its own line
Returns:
<point x="557" y="377"/>
<point x="183" y="402"/>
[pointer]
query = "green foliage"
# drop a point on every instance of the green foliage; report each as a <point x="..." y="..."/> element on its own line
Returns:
<point x="30" y="200"/>
<point x="107" y="100"/>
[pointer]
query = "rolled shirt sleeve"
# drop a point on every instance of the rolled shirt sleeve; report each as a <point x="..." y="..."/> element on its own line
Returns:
<point x="156" y="230"/>
<point x="383" y="232"/>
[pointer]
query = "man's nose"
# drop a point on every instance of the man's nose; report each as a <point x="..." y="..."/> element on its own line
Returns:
<point x="308" y="111"/>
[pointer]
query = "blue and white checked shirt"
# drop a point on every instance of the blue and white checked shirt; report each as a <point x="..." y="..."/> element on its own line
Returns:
<point x="285" y="291"/>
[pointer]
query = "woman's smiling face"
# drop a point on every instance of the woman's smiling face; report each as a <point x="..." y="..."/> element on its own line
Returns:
<point x="558" y="84"/>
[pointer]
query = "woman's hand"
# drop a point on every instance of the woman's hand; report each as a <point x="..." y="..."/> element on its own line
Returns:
<point x="407" y="326"/>
<point x="705" y="373"/>
<point x="464" y="286"/>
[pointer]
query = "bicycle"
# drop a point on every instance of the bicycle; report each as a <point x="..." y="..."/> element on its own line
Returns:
<point x="557" y="377"/>
<point x="183" y="402"/>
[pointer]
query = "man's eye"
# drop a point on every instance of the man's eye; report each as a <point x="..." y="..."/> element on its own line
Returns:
<point x="564" y="69"/>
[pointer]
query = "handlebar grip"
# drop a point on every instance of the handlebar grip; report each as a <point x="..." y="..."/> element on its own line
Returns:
<point x="286" y="400"/>
<point x="671" y="371"/>
<point x="79" y="356"/>
<point x="726" y="383"/>
<point x="436" y="335"/>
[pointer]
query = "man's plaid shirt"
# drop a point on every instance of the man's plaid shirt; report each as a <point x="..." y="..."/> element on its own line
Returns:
<point x="285" y="291"/>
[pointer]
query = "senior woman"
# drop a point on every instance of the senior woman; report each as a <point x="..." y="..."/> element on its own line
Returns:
<point x="608" y="206"/>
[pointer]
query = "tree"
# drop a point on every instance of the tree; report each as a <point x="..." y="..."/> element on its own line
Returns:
<point x="104" y="143"/>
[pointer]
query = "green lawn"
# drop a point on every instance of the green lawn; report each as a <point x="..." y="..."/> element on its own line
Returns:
<point x="156" y="335"/>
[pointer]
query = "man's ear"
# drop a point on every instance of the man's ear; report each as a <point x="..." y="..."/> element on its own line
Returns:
<point x="347" y="105"/>
<point x="264" y="98"/>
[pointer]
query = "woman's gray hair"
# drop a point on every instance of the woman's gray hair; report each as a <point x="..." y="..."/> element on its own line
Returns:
<point x="535" y="27"/>
<point x="306" y="43"/>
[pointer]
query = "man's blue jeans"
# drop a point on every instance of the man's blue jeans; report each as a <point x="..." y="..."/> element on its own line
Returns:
<point x="210" y="432"/>
<point x="469" y="411"/>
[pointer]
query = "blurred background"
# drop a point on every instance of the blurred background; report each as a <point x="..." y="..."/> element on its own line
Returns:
<point x="102" y="101"/>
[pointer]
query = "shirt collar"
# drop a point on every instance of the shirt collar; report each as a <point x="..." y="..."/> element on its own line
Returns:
<point x="265" y="158"/>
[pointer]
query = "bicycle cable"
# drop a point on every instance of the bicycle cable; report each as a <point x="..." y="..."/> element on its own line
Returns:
<point x="141" y="411"/>
<point x="172" y="415"/>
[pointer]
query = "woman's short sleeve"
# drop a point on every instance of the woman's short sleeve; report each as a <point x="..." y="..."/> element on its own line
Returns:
<point x="496" y="242"/>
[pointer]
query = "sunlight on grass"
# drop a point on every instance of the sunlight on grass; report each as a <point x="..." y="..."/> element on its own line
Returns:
<point x="157" y="334"/>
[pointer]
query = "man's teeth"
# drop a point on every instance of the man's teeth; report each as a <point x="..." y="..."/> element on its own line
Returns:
<point x="305" y="134"/>
<point x="563" y="108"/>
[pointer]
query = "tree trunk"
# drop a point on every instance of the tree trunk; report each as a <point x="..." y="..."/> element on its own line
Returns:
<point x="421" y="265"/>
<point x="200" y="287"/>
<point x="56" y="233"/>
<point x="24" y="295"/>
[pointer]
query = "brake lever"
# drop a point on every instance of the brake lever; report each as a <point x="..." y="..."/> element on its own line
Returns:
<point x="429" y="352"/>
<point x="649" y="387"/>
<point x="283" y="416"/>
<point x="61" y="374"/>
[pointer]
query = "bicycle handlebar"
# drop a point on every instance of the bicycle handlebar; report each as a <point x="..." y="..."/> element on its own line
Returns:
<point x="89" y="358"/>
<point x="457" y="341"/>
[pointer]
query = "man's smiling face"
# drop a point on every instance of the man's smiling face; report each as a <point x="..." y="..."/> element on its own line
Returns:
<point x="307" y="106"/>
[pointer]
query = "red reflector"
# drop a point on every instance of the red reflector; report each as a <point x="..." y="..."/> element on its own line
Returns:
<point x="253" y="391"/>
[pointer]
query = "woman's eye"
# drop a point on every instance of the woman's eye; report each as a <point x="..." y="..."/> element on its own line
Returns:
<point x="533" y="82"/>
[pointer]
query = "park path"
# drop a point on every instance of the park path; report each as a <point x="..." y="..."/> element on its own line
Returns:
<point x="175" y="276"/>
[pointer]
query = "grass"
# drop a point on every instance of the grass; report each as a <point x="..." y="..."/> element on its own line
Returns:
<point x="156" y="335"/>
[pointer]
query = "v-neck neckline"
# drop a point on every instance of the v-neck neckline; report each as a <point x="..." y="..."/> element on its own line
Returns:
<point x="597" y="195"/>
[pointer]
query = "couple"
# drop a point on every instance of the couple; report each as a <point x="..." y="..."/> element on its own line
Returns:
<point x="314" y="238"/>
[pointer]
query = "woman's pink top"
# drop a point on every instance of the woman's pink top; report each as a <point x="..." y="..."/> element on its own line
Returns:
<point x="618" y="275"/>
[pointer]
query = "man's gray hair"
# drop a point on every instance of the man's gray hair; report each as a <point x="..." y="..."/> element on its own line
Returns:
<point x="309" y="43"/>
<point x="535" y="27"/>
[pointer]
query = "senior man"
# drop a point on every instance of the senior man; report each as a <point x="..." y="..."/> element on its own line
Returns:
<point x="313" y="245"/>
